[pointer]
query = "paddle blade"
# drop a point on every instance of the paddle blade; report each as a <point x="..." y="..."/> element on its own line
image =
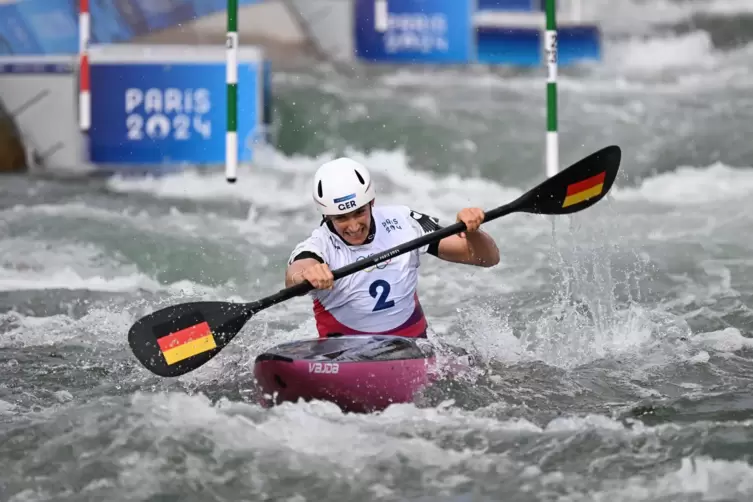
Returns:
<point x="576" y="188"/>
<point x="178" y="339"/>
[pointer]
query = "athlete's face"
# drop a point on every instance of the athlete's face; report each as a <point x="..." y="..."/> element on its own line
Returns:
<point x="353" y="227"/>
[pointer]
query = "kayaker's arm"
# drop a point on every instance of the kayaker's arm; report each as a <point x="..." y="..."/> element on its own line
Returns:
<point x="472" y="247"/>
<point x="294" y="273"/>
<point x="476" y="248"/>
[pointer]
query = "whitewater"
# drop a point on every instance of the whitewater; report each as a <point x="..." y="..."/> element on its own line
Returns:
<point x="616" y="345"/>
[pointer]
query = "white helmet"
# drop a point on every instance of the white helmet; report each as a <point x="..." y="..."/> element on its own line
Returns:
<point x="341" y="186"/>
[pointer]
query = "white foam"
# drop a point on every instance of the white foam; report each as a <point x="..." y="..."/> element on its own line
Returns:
<point x="724" y="6"/>
<point x="638" y="15"/>
<point x="285" y="184"/>
<point x="67" y="278"/>
<point x="285" y="434"/>
<point x="6" y="408"/>
<point x="259" y="186"/>
<point x="692" y="186"/>
<point x="173" y="223"/>
<point x="98" y="326"/>
<point x="659" y="54"/>
<point x="589" y="422"/>
<point x="704" y="476"/>
<point x="29" y="264"/>
<point x="291" y="423"/>
<point x="726" y="340"/>
<point x="374" y="449"/>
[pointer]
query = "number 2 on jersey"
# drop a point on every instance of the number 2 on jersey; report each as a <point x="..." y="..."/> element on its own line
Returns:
<point x="382" y="302"/>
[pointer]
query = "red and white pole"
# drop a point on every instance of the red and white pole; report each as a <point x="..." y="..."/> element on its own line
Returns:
<point x="84" y="96"/>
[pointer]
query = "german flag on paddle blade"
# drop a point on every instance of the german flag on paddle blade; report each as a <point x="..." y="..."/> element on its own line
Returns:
<point x="184" y="337"/>
<point x="584" y="190"/>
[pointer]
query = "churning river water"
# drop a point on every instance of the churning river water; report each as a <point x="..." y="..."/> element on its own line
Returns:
<point x="616" y="345"/>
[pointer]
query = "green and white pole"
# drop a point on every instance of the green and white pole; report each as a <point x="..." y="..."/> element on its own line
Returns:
<point x="550" y="49"/>
<point x="231" y="79"/>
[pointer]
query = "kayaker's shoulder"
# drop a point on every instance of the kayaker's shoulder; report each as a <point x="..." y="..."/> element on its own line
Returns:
<point x="317" y="242"/>
<point x="399" y="210"/>
<point x="319" y="233"/>
<point x="421" y="221"/>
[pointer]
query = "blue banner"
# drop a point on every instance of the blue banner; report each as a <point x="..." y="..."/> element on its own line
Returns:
<point x="54" y="24"/>
<point x="514" y="46"/>
<point x="510" y="5"/>
<point x="130" y="15"/>
<point x="107" y="23"/>
<point x="15" y="35"/>
<point x="160" y="14"/>
<point x="169" y="113"/>
<point x="37" y="68"/>
<point x="204" y="7"/>
<point x="459" y="32"/>
<point x="51" y="26"/>
<point x="414" y="30"/>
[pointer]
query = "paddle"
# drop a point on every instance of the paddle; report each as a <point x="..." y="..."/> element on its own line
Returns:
<point x="178" y="339"/>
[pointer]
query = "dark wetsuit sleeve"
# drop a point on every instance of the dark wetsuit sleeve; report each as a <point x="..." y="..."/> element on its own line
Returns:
<point x="426" y="224"/>
<point x="307" y="254"/>
<point x="313" y="247"/>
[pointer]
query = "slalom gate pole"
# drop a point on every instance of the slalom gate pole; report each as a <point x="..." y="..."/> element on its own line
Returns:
<point x="84" y="95"/>
<point x="550" y="49"/>
<point x="231" y="79"/>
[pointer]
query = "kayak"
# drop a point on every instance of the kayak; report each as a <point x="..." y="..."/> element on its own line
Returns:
<point x="358" y="373"/>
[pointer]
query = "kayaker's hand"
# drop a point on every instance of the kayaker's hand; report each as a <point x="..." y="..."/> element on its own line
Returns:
<point x="473" y="217"/>
<point x="319" y="275"/>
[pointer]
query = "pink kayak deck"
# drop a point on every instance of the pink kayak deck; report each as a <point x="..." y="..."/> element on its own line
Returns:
<point x="362" y="376"/>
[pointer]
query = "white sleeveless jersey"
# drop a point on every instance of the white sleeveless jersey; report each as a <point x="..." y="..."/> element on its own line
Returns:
<point x="381" y="298"/>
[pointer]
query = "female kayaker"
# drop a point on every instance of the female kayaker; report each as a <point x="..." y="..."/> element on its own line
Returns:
<point x="381" y="299"/>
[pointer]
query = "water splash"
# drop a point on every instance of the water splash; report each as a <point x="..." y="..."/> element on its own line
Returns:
<point x="595" y="309"/>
